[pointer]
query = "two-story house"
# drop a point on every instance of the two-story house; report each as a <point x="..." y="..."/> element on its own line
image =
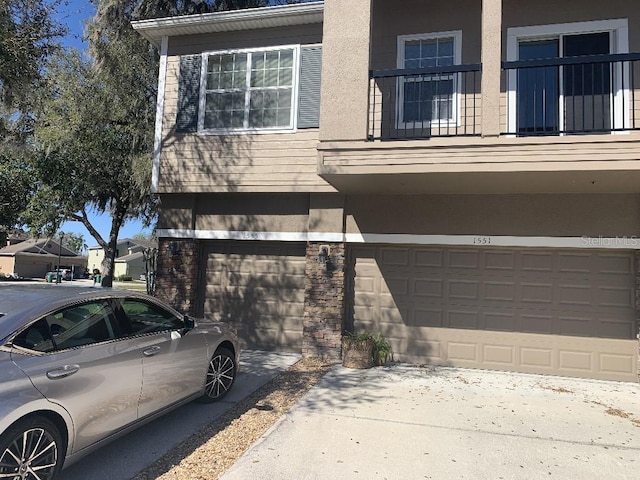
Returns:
<point x="462" y="177"/>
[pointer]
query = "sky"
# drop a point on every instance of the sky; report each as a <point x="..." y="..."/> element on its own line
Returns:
<point x="72" y="14"/>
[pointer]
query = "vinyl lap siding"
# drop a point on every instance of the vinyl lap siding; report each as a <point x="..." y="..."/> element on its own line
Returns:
<point x="243" y="162"/>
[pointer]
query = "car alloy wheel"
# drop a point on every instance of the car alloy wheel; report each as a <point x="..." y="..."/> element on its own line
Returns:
<point x="220" y="375"/>
<point x="30" y="451"/>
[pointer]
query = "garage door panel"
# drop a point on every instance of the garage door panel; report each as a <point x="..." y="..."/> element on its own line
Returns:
<point x="395" y="256"/>
<point x="536" y="262"/>
<point x="614" y="264"/>
<point x="258" y="287"/>
<point x="498" y="355"/>
<point x="616" y="328"/>
<point x="425" y="287"/>
<point x="429" y="258"/>
<point x="498" y="321"/>
<point x="616" y="364"/>
<point x="538" y="311"/>
<point x="615" y="297"/>
<point x="462" y="319"/>
<point x="500" y="261"/>
<point x="463" y="259"/>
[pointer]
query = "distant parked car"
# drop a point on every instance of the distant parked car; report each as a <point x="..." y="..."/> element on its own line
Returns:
<point x="82" y="366"/>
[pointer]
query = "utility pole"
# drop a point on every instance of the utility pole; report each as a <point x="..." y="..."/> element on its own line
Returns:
<point x="58" y="279"/>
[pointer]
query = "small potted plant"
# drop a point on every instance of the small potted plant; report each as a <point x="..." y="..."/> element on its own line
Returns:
<point x="365" y="350"/>
<point x="357" y="350"/>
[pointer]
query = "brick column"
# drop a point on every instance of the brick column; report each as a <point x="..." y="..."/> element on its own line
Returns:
<point x="177" y="273"/>
<point x="323" y="303"/>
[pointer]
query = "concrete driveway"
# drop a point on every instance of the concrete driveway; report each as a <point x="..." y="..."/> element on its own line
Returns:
<point x="128" y="455"/>
<point x="444" y="423"/>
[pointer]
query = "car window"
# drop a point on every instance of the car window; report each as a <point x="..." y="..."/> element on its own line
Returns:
<point x="148" y="318"/>
<point x="35" y="337"/>
<point x="82" y="325"/>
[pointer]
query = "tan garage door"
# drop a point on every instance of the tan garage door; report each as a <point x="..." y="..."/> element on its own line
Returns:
<point x="564" y="312"/>
<point x="259" y="288"/>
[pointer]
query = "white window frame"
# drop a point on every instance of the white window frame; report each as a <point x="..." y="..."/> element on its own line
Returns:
<point x="457" y="60"/>
<point x="234" y="131"/>
<point x="619" y="43"/>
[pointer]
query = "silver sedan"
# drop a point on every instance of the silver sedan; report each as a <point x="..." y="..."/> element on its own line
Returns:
<point x="81" y="366"/>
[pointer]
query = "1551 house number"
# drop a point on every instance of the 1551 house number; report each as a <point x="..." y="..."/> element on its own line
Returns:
<point x="482" y="240"/>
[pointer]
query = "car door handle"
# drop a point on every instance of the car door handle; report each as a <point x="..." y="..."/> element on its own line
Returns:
<point x="151" y="351"/>
<point x="62" y="372"/>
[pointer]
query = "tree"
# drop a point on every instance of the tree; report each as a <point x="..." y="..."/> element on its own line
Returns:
<point x="94" y="138"/>
<point x="15" y="187"/>
<point x="28" y="35"/>
<point x="73" y="241"/>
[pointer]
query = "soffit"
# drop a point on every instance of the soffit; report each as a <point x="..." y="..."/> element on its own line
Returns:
<point x="250" y="19"/>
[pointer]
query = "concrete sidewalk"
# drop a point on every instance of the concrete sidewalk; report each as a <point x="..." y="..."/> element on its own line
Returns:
<point x="444" y="423"/>
<point x="130" y="454"/>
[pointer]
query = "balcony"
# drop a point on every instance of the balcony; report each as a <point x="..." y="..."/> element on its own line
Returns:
<point x="566" y="125"/>
<point x="593" y="94"/>
<point x="425" y="103"/>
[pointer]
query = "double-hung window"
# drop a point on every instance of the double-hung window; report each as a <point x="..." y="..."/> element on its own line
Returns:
<point x="249" y="90"/>
<point x="429" y="96"/>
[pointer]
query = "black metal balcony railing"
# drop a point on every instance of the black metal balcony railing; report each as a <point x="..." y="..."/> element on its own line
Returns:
<point x="575" y="95"/>
<point x="425" y="102"/>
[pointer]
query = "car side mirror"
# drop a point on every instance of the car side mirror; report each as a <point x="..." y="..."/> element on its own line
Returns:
<point x="189" y="323"/>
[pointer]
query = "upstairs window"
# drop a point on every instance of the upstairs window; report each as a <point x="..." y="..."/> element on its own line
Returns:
<point x="263" y="90"/>
<point x="248" y="90"/>
<point x="428" y="98"/>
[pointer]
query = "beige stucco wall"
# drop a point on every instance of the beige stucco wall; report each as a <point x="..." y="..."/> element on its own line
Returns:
<point x="423" y="16"/>
<point x="345" y="70"/>
<point x="277" y="162"/>
<point x="516" y="13"/>
<point x="571" y="215"/>
<point x="510" y="215"/>
<point x="326" y="213"/>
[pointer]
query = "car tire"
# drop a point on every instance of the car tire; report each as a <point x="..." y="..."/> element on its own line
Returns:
<point x="31" y="448"/>
<point x="221" y="373"/>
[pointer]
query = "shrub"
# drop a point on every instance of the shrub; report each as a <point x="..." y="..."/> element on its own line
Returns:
<point x="381" y="348"/>
<point x="125" y="278"/>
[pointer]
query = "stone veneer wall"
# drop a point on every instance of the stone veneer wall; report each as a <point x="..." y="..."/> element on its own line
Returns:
<point x="177" y="273"/>
<point x="323" y="320"/>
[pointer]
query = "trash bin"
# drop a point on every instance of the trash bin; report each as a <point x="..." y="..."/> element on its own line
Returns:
<point x="50" y="277"/>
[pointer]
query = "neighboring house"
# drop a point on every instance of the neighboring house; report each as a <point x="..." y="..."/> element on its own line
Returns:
<point x="470" y="170"/>
<point x="34" y="258"/>
<point x="16" y="236"/>
<point x="129" y="257"/>
<point x="132" y="265"/>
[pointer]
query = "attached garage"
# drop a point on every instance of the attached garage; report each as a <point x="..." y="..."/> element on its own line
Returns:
<point x="259" y="288"/>
<point x="562" y="312"/>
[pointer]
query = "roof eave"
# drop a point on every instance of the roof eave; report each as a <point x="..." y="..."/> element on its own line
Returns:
<point x="249" y="19"/>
